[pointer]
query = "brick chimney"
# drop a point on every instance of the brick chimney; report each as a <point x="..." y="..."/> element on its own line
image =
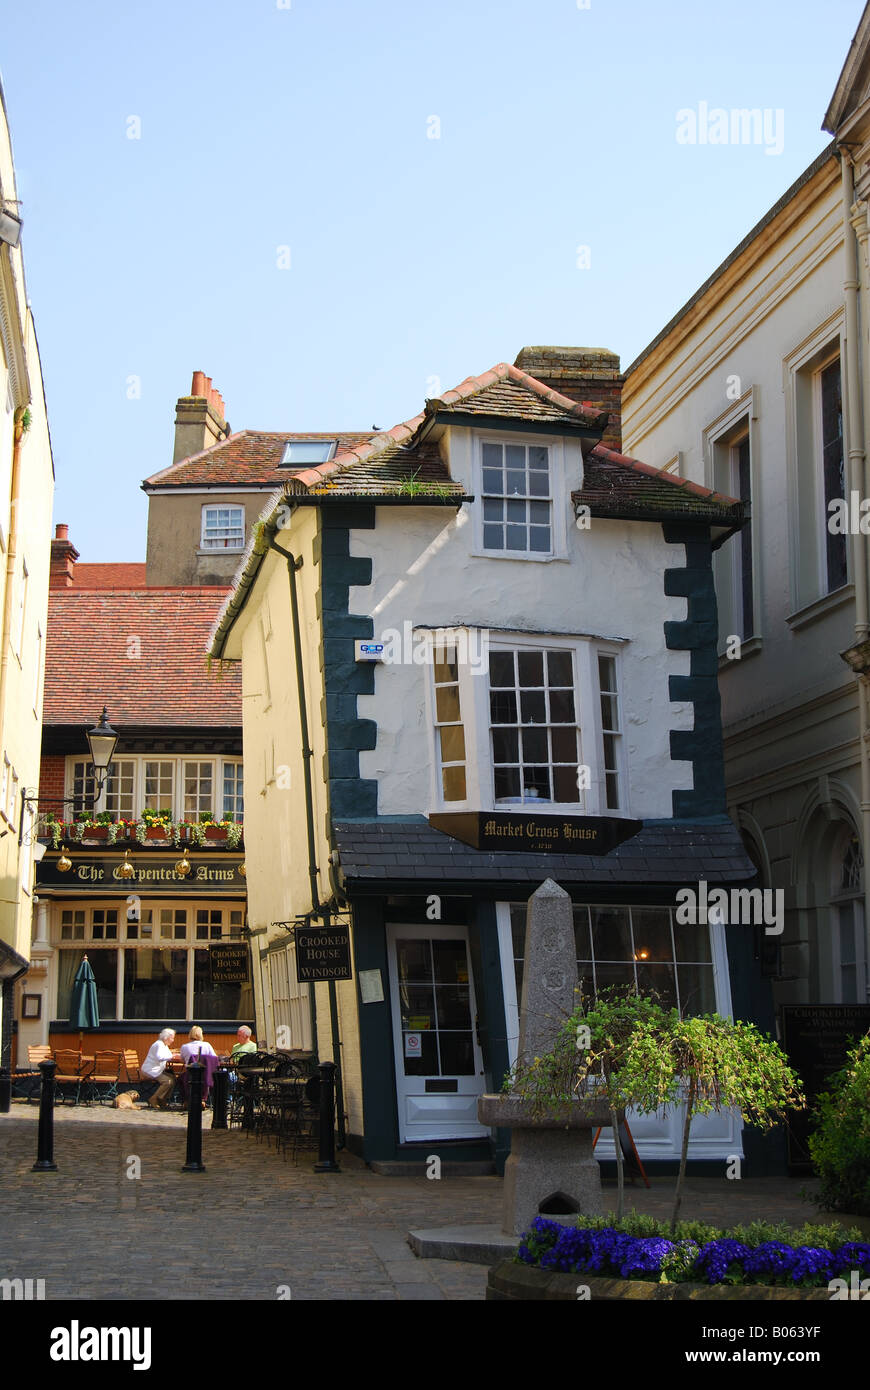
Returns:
<point x="582" y="374"/>
<point x="199" y="419"/>
<point x="63" y="559"/>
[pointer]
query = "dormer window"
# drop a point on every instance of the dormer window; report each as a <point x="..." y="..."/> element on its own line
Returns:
<point x="517" y="501"/>
<point x="223" y="528"/>
<point x="522" y="484"/>
<point x="302" y="453"/>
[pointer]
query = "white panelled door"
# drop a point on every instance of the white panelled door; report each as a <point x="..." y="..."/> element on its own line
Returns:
<point x="439" y="1066"/>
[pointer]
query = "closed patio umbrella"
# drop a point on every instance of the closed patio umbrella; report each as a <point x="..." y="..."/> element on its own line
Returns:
<point x="84" y="1010"/>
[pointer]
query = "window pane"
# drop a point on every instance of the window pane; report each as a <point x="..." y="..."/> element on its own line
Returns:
<point x="539" y="485"/>
<point x="539" y="539"/>
<point x="531" y="668"/>
<point x="457" y="1054"/>
<point x="507" y="783"/>
<point x="697" y="992"/>
<point x="447" y="704"/>
<point x="611" y="933"/>
<point x="565" y="783"/>
<point x="562" y="706"/>
<point x="505" y="745"/>
<point x="453" y="743"/>
<point x="215" y="999"/>
<point x="155" y="983"/>
<point x="503" y="706"/>
<point x="453" y="783"/>
<point x="493" y="482"/>
<point x="493" y="537"/>
<point x="533" y="707"/>
<point x="515" y="538"/>
<point x="491" y="455"/>
<point x="535" y="745"/>
<point x="445" y="665"/>
<point x="105" y="967"/>
<point x="658" y="980"/>
<point x="501" y="668"/>
<point x="564" y="745"/>
<point x="493" y="509"/>
<point x="537" y="456"/>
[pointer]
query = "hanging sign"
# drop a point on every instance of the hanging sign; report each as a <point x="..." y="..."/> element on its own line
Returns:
<point x="322" y="953"/>
<point x="228" y="964"/>
<point x="529" y="832"/>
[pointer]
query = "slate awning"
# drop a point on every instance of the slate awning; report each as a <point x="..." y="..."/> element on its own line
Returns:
<point x="411" y="856"/>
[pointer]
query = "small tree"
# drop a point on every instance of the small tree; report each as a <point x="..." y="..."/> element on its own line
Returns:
<point x="840" y="1146"/>
<point x="710" y="1063"/>
<point x="639" y="1056"/>
<point x="590" y="1053"/>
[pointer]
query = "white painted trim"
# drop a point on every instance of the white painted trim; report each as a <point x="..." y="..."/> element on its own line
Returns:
<point x="508" y="979"/>
<point x="559" y="498"/>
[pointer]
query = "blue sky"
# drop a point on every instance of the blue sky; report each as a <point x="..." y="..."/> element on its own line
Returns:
<point x="265" y="125"/>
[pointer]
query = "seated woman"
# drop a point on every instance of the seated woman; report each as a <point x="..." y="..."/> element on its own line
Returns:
<point x="197" y="1050"/>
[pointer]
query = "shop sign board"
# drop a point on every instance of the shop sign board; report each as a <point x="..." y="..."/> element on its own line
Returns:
<point x="228" y="964"/>
<point x="527" y="831"/>
<point x="322" y="953"/>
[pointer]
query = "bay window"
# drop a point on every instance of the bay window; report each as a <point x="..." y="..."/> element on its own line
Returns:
<point x="538" y="723"/>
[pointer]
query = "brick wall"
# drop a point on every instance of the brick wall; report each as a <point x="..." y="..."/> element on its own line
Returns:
<point x="51" y="779"/>
<point x="581" y="374"/>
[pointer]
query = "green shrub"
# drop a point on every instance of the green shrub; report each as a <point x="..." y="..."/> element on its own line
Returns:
<point x="840" y="1145"/>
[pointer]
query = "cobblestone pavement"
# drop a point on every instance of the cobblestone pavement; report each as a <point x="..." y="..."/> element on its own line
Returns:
<point x="254" y="1226"/>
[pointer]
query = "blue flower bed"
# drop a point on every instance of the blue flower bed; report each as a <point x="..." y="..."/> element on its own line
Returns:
<point x="611" y="1253"/>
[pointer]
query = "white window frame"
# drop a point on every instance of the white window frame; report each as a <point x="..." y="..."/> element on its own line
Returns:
<point x="210" y="545"/>
<point x="721" y="474"/>
<point x="563" y="454"/>
<point x="139" y="760"/>
<point x="227" y="763"/>
<point x="475" y="715"/>
<point x="807" y="521"/>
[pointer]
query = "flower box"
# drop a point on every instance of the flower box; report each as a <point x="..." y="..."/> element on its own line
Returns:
<point x="156" y="832"/>
<point x="215" y="832"/>
<point x="95" y="832"/>
<point x="509" y="1281"/>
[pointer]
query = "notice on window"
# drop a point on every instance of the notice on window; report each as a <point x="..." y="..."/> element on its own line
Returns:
<point x="371" y="987"/>
<point x="413" y="1045"/>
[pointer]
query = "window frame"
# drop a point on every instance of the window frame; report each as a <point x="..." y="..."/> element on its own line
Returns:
<point x="475" y="719"/>
<point x="560" y="458"/>
<point x="203" y="535"/>
<point x="807" y="520"/>
<point x="722" y="439"/>
<point x="179" y="762"/>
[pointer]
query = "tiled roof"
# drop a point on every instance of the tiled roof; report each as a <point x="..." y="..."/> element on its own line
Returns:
<point x="400" y="471"/>
<point x="250" y="457"/>
<point x="508" y="391"/>
<point x="503" y="388"/>
<point x="376" y="856"/>
<point x="142" y="653"/>
<point x="618" y="486"/>
<point x="109" y="576"/>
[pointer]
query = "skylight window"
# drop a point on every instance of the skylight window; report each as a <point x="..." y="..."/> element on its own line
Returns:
<point x="300" y="453"/>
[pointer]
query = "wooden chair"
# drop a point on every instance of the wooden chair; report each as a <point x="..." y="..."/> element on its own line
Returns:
<point x="131" y="1064"/>
<point x="68" y="1074"/>
<point x="27" y="1084"/>
<point x="102" y="1083"/>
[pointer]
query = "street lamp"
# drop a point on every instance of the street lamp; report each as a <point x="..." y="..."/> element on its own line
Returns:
<point x="102" y="740"/>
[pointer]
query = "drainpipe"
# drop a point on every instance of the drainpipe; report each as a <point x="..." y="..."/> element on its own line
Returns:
<point x="317" y="908"/>
<point x="858" y="389"/>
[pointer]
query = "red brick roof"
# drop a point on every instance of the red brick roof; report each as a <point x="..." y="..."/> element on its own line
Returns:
<point x="140" y="652"/>
<point x="250" y="457"/>
<point x="109" y="576"/>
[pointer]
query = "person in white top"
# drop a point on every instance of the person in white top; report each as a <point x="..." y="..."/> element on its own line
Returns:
<point x="196" y="1047"/>
<point x="159" y="1053"/>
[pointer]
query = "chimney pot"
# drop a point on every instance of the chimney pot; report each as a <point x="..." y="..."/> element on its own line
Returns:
<point x="63" y="559"/>
<point x="200" y="420"/>
<point x="61" y="531"/>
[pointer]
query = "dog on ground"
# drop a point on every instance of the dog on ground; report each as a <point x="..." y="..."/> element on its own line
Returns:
<point x="125" y="1101"/>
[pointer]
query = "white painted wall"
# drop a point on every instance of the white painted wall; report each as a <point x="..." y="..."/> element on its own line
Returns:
<point x="610" y="584"/>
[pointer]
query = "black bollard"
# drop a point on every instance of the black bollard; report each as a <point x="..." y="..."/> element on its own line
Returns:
<point x="194" y="1162"/>
<point x="326" y="1160"/>
<point x="219" y="1090"/>
<point x="5" y="1090"/>
<point x="45" y="1145"/>
<point x="247" y="1083"/>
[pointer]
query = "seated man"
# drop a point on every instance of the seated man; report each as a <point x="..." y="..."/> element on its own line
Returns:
<point x="154" y="1066"/>
<point x="245" y="1043"/>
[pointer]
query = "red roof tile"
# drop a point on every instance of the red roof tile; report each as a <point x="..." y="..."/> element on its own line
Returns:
<point x="140" y="652"/>
<point x="250" y="458"/>
<point x="109" y="576"/>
